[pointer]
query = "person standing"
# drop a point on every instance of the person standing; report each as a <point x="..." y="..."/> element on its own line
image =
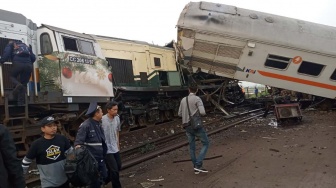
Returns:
<point x="256" y="91"/>
<point x="22" y="58"/>
<point x="196" y="107"/>
<point x="91" y="135"/>
<point x="50" y="154"/>
<point x="11" y="175"/>
<point x="111" y="126"/>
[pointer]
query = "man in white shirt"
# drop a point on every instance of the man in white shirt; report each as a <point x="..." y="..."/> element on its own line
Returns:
<point x="111" y="126"/>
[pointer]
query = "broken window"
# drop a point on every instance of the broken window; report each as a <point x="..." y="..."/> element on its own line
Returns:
<point x="310" y="68"/>
<point x="333" y="76"/>
<point x="278" y="62"/>
<point x="77" y="45"/>
<point x="157" y="62"/>
<point x="45" y="43"/>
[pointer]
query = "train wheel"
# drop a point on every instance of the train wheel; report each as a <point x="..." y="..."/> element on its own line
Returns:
<point x="175" y="112"/>
<point x="162" y="117"/>
<point x="131" y="120"/>
<point x="168" y="114"/>
<point x="142" y="121"/>
<point x="153" y="116"/>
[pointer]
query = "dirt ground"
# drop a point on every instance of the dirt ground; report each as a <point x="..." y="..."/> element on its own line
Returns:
<point x="254" y="154"/>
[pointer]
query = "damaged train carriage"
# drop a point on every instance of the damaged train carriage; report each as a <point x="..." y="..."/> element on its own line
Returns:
<point x="258" y="47"/>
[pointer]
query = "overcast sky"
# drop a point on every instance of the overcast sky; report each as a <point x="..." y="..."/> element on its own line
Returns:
<point x="152" y="21"/>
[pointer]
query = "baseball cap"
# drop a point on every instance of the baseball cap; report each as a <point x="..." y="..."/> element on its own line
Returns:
<point x="47" y="120"/>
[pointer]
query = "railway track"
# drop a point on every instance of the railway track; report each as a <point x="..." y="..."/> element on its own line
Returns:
<point x="128" y="152"/>
<point x="133" y="156"/>
<point x="137" y="154"/>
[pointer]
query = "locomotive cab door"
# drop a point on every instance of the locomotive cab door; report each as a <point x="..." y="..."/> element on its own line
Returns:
<point x="47" y="46"/>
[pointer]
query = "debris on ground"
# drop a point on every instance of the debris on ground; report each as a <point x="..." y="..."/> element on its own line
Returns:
<point x="132" y="175"/>
<point x="147" y="184"/>
<point x="273" y="123"/>
<point x="160" y="179"/>
<point x="275" y="150"/>
<point x="269" y="138"/>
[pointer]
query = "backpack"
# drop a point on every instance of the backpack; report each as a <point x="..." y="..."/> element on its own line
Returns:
<point x="21" y="49"/>
<point x="81" y="167"/>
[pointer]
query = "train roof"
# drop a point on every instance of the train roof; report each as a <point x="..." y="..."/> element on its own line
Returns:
<point x="13" y="17"/>
<point x="73" y="33"/>
<point x="129" y="41"/>
<point x="258" y="26"/>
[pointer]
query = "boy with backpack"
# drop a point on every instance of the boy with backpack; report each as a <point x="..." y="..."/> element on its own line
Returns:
<point x="49" y="152"/>
<point x="22" y="58"/>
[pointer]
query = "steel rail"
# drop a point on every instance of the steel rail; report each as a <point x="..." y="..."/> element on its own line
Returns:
<point x="158" y="141"/>
<point x="138" y="160"/>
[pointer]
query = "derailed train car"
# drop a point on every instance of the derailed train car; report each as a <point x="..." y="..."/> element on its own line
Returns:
<point x="258" y="47"/>
<point x="148" y="81"/>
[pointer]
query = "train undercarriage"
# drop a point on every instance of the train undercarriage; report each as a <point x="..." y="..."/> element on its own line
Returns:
<point x="141" y="107"/>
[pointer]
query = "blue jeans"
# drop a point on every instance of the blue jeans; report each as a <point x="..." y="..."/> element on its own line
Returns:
<point x="200" y="134"/>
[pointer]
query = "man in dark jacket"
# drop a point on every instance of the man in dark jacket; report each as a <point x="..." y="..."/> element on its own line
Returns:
<point x="91" y="135"/>
<point x="11" y="174"/>
<point x="22" y="58"/>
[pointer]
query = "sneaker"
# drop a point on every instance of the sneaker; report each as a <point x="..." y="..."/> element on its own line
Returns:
<point x="200" y="169"/>
<point x="197" y="172"/>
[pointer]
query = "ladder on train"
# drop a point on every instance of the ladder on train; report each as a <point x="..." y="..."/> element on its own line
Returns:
<point x="17" y="124"/>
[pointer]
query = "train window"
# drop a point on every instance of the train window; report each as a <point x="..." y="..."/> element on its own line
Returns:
<point x="70" y="44"/>
<point x="310" y="68"/>
<point x="333" y="76"/>
<point x="45" y="44"/>
<point x="86" y="47"/>
<point x="157" y="62"/>
<point x="277" y="62"/>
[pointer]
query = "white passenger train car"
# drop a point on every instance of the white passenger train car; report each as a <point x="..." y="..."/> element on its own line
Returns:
<point x="259" y="47"/>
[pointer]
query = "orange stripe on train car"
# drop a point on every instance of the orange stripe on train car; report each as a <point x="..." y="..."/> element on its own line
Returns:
<point x="297" y="80"/>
